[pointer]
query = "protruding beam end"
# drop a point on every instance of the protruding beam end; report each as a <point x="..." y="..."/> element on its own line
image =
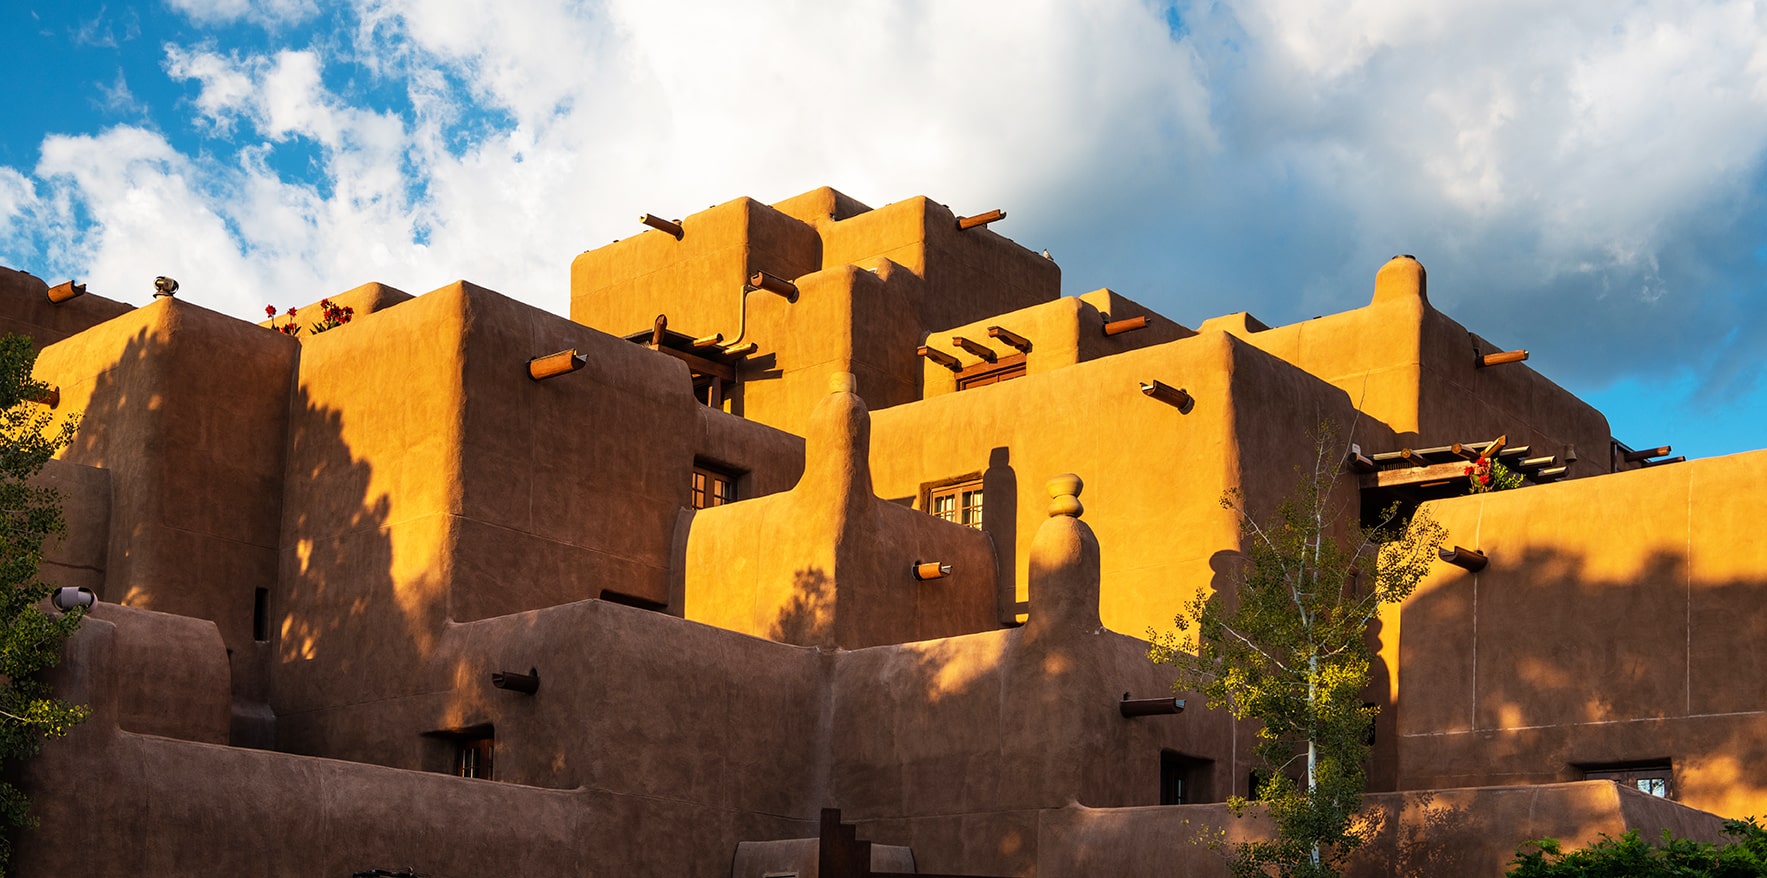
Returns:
<point x="553" y="365"/>
<point x="66" y="291"/>
<point x="1177" y="397"/>
<point x="663" y="225"/>
<point x="928" y="570"/>
<point x="976" y="349"/>
<point x="1010" y="338"/>
<point x="965" y="223"/>
<point x="527" y="683"/>
<point x="1127" y="324"/>
<point x="1502" y="357"/>
<point x="1470" y="559"/>
<point x="779" y="286"/>
<point x="1134" y="707"/>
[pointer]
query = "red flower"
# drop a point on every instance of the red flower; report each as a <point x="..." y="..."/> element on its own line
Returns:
<point x="1485" y="479"/>
<point x="1469" y="469"/>
<point x="270" y="310"/>
<point x="291" y="311"/>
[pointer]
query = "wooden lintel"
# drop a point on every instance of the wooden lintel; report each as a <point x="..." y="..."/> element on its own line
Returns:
<point x="1393" y="478"/>
<point x="702" y="366"/>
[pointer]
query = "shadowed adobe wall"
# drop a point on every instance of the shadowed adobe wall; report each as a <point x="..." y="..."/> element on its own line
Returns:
<point x="1618" y="622"/>
<point x="25" y="309"/>
<point x="187" y="410"/>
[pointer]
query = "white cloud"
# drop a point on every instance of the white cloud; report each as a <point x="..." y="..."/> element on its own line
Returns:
<point x="261" y="12"/>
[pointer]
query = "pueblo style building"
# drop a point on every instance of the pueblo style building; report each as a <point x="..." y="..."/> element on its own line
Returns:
<point x="817" y="506"/>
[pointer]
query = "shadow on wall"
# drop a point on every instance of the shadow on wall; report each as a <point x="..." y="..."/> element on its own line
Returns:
<point x="806" y="618"/>
<point x="1578" y="668"/>
<point x="345" y="631"/>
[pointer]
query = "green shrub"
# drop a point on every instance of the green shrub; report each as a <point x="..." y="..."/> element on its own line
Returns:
<point x="1630" y="856"/>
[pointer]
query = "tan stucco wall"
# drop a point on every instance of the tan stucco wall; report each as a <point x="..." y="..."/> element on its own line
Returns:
<point x="25" y="309"/>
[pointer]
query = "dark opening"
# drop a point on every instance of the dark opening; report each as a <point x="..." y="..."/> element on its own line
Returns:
<point x="261" y="615"/>
<point x="1656" y="776"/>
<point x="614" y="597"/>
<point x="1184" y="780"/>
<point x="467" y="752"/>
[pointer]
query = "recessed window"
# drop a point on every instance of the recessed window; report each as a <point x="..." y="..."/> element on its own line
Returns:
<point x="712" y="487"/>
<point x="960" y="503"/>
<point x="468" y="752"/>
<point x="1656" y="778"/>
<point x="1184" y="780"/>
<point x="983" y="374"/>
<point x="261" y="615"/>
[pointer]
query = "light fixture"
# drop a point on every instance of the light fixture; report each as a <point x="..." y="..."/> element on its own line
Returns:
<point x="68" y="597"/>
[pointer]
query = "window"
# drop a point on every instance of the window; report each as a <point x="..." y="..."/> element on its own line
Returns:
<point x="1655" y="778"/>
<point x="712" y="487"/>
<point x="261" y="615"/>
<point x="467" y="752"/>
<point x="1184" y="780"/>
<point x="960" y="503"/>
<point x="983" y="374"/>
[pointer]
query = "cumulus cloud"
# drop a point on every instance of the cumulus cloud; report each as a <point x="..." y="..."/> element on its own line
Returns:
<point x="1584" y="170"/>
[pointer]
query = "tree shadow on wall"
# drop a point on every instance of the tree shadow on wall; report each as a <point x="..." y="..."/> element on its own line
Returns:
<point x="808" y="618"/>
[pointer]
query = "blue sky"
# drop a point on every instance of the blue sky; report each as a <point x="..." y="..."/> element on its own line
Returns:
<point x="1583" y="179"/>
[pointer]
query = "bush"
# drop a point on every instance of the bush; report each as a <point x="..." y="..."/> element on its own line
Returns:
<point x="1630" y="856"/>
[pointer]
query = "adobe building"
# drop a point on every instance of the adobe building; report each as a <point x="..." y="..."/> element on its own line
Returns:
<point x="817" y="506"/>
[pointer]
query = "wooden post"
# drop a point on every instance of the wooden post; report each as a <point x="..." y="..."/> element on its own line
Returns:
<point x="965" y="223"/>
<point x="657" y="328"/>
<point x="553" y="365"/>
<point x="940" y="357"/>
<point x="982" y="351"/>
<point x="1471" y="559"/>
<point x="1127" y="324"/>
<point x="1012" y="339"/>
<point x="663" y="225"/>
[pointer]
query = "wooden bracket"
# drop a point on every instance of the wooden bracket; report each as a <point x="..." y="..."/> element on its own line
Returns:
<point x="1012" y="339"/>
<point x="981" y="351"/>
<point x="940" y="357"/>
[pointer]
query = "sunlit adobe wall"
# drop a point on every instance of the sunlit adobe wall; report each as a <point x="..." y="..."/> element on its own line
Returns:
<point x="829" y="563"/>
<point x="1059" y="333"/>
<point x="1617" y="622"/>
<point x="1154" y="474"/>
<point x="187" y="411"/>
<point x="1411" y="368"/>
<point x="25" y="309"/>
<point x="436" y="482"/>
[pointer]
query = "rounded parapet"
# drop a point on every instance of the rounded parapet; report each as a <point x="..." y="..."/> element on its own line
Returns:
<point x="1064" y="565"/>
<point x="1401" y="279"/>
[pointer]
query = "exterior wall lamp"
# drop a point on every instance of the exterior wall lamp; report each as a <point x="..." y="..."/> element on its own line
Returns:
<point x="1176" y="397"/>
<point x="1134" y="707"/>
<point x="69" y="597"/>
<point x="925" y="570"/>
<point x="553" y="365"/>
<point x="527" y="683"/>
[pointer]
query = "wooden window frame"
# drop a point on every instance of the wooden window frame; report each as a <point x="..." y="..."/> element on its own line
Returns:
<point x="713" y="485"/>
<point x="1635" y="775"/>
<point x="959" y="492"/>
<point x="984" y="374"/>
